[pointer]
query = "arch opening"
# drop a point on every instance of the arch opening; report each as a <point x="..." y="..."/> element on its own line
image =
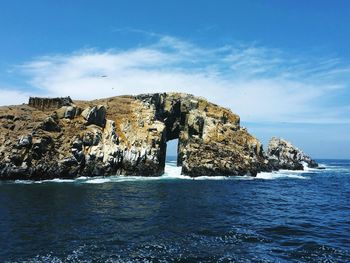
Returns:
<point x="171" y="155"/>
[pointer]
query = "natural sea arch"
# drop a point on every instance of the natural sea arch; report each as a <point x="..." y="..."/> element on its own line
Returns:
<point x="172" y="150"/>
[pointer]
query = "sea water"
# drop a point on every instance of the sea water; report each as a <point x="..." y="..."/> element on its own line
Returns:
<point x="285" y="216"/>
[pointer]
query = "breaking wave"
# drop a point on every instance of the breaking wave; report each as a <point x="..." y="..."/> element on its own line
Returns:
<point x="173" y="172"/>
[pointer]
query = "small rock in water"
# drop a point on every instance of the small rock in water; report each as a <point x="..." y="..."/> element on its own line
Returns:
<point x="283" y="155"/>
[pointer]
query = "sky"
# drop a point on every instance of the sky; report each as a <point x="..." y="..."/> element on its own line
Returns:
<point x="283" y="66"/>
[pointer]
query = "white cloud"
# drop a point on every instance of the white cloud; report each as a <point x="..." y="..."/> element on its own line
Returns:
<point x="12" y="96"/>
<point x="259" y="83"/>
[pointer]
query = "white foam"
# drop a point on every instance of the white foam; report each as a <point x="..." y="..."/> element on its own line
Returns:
<point x="98" y="181"/>
<point x="281" y="174"/>
<point x="322" y="165"/>
<point x="57" y="180"/>
<point x="82" y="178"/>
<point x="173" y="172"/>
<point x="24" y="181"/>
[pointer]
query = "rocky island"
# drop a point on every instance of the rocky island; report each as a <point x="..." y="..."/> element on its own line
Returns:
<point x="127" y="135"/>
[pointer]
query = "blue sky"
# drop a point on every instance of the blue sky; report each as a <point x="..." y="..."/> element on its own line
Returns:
<point x="283" y="66"/>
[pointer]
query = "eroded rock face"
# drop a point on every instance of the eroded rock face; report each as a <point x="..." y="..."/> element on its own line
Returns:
<point x="283" y="155"/>
<point x="126" y="135"/>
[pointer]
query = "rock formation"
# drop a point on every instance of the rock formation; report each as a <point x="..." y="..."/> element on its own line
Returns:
<point x="49" y="103"/>
<point x="125" y="135"/>
<point x="283" y="155"/>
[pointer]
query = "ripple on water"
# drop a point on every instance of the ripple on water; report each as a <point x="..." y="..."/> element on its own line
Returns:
<point x="284" y="230"/>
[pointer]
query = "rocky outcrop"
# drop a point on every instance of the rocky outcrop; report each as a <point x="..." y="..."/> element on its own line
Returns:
<point x="283" y="155"/>
<point x="125" y="135"/>
<point x="49" y="103"/>
<point x="211" y="140"/>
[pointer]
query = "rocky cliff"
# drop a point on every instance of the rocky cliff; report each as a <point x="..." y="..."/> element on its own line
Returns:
<point x="127" y="135"/>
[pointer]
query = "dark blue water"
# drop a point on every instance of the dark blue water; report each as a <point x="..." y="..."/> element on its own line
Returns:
<point x="283" y="217"/>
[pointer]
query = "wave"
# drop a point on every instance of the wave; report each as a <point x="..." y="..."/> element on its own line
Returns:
<point x="345" y="169"/>
<point x="25" y="182"/>
<point x="57" y="180"/>
<point x="173" y="172"/>
<point x="98" y="181"/>
<point x="281" y="175"/>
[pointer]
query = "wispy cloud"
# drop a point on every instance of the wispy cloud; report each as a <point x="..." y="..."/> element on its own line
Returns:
<point x="259" y="83"/>
<point x="11" y="96"/>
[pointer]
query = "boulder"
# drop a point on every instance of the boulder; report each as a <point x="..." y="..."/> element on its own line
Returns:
<point x="50" y="124"/>
<point x="283" y="155"/>
<point x="67" y="112"/>
<point x="70" y="112"/>
<point x="95" y="115"/>
<point x="25" y="141"/>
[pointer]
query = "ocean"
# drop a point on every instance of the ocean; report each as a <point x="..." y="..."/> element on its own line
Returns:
<point x="283" y="216"/>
